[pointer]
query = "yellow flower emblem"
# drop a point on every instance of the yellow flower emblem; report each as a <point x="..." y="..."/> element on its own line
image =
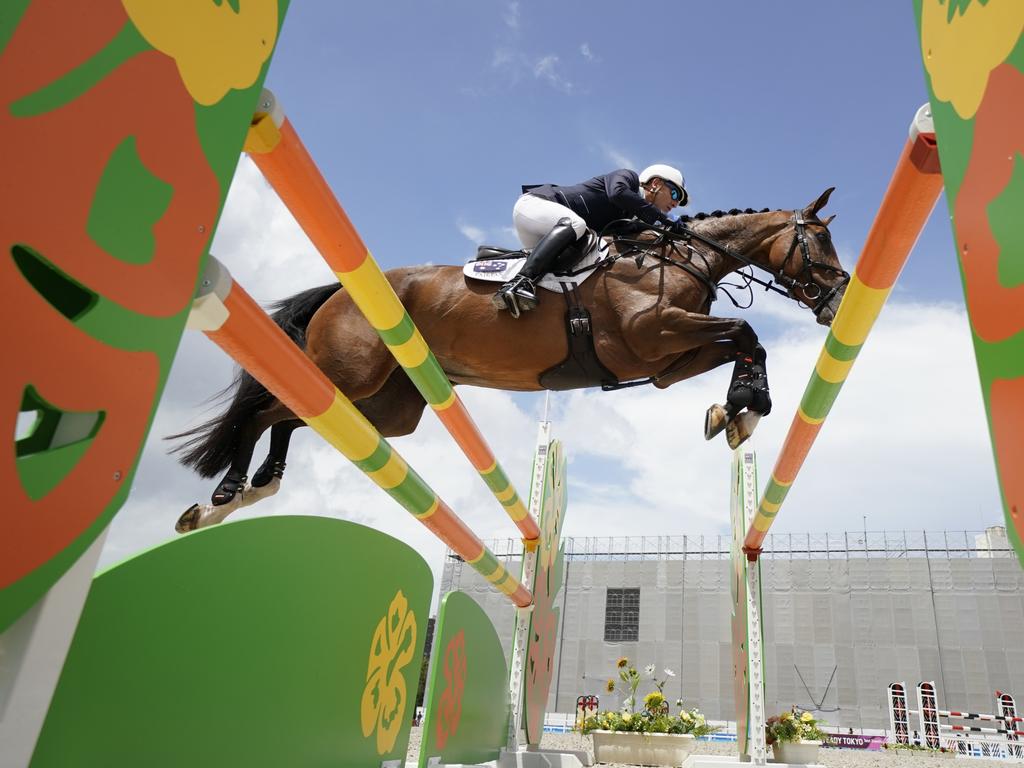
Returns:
<point x="960" y="52"/>
<point x="385" y="698"/>
<point x="215" y="47"/>
<point x="807" y="717"/>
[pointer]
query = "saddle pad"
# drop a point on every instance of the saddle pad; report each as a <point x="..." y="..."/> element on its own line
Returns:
<point x="502" y="270"/>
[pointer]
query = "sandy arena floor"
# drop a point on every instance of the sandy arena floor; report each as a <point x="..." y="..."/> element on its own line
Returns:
<point x="831" y="758"/>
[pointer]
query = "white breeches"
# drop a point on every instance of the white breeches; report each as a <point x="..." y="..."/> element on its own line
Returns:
<point x="534" y="217"/>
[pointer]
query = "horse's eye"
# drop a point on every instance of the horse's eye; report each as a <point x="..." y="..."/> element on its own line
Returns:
<point x="823" y="237"/>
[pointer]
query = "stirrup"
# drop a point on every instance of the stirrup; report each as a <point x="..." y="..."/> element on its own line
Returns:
<point x="509" y="297"/>
<point x="526" y="294"/>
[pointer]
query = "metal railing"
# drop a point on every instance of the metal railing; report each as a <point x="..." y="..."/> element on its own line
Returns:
<point x="847" y="545"/>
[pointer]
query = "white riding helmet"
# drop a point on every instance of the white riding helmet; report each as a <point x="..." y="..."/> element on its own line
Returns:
<point x="668" y="173"/>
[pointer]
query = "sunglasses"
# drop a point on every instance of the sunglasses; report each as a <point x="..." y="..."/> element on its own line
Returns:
<point x="673" y="190"/>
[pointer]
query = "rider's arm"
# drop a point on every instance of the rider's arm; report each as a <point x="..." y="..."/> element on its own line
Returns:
<point x="622" y="187"/>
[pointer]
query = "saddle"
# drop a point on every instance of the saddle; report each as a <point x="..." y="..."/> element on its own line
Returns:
<point x="579" y="261"/>
<point x="581" y="367"/>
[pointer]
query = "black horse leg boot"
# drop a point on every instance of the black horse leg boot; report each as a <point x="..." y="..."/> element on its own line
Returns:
<point x="520" y="294"/>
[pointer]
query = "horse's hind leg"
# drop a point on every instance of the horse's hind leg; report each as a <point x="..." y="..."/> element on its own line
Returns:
<point x="396" y="408"/>
<point x="266" y="480"/>
<point x="230" y="494"/>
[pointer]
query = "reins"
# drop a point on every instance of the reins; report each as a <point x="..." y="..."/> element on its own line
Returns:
<point x="670" y="239"/>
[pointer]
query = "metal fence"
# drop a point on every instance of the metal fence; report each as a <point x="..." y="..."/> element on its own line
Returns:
<point x="946" y="545"/>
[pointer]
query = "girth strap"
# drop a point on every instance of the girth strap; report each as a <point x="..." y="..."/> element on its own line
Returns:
<point x="581" y="367"/>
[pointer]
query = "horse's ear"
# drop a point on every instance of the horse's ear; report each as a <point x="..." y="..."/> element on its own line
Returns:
<point x="828" y="220"/>
<point x="818" y="204"/>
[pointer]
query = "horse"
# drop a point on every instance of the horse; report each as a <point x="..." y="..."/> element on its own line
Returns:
<point x="650" y="316"/>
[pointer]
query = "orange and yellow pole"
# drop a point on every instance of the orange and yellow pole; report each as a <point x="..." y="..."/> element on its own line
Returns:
<point x="234" y="321"/>
<point x="278" y="152"/>
<point x="908" y="202"/>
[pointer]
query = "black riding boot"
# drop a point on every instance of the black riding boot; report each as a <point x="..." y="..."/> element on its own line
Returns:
<point x="520" y="294"/>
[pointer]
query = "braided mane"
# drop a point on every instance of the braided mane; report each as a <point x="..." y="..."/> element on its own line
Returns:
<point x="720" y="214"/>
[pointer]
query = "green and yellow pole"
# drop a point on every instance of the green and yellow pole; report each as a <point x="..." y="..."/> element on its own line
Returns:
<point x="908" y="202"/>
<point x="280" y="155"/>
<point x="234" y="321"/>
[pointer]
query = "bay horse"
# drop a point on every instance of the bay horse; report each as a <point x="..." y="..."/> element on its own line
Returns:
<point x="649" y="307"/>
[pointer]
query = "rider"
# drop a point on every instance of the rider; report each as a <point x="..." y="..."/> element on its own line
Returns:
<point x="549" y="218"/>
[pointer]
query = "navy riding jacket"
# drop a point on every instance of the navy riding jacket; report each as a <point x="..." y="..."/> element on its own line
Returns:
<point x="603" y="199"/>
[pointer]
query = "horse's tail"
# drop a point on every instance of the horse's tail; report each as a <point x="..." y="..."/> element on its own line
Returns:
<point x="210" y="447"/>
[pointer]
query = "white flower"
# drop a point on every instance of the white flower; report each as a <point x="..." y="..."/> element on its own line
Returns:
<point x="669" y="672"/>
<point x="649" y="670"/>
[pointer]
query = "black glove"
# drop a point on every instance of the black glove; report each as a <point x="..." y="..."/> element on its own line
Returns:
<point x="678" y="227"/>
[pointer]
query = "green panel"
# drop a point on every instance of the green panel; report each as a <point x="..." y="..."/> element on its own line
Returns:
<point x="744" y="465"/>
<point x="548" y="579"/>
<point x="738" y="591"/>
<point x="244" y="644"/>
<point x="467" y="706"/>
<point x="1004" y="215"/>
<point x="128" y="234"/>
<point x="67" y="122"/>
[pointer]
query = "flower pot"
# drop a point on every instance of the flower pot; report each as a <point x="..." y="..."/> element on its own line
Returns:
<point x="642" y="748"/>
<point x="797" y="752"/>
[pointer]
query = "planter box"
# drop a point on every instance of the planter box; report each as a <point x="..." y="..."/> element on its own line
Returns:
<point x="797" y="752"/>
<point x="642" y="748"/>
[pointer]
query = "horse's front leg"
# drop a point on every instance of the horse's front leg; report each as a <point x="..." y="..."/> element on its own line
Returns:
<point x="747" y="401"/>
<point x="719" y="340"/>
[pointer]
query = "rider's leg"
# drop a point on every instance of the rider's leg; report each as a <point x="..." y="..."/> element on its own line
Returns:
<point x="549" y="229"/>
<point x="521" y="288"/>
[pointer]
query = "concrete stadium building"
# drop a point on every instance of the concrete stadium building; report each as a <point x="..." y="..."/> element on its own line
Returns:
<point x="844" y="615"/>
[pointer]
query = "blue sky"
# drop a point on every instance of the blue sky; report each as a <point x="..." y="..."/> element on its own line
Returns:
<point x="426" y="117"/>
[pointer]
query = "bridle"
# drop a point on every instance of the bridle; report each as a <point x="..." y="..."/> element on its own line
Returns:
<point x="791" y="287"/>
<point x="810" y="287"/>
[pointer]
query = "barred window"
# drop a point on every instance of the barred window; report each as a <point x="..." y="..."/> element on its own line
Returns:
<point x="621" y="615"/>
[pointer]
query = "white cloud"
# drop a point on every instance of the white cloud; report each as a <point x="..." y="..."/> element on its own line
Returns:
<point x="260" y="242"/>
<point x="547" y="69"/>
<point x="586" y="52"/>
<point x="504" y="58"/>
<point x="906" y="442"/>
<point x="470" y="232"/>
<point x="510" y="16"/>
<point x="619" y="158"/>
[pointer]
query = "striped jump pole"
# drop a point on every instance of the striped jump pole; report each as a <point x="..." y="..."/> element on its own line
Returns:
<point x="279" y="153"/>
<point x="975" y="716"/>
<point x="979" y="729"/>
<point x="908" y="202"/>
<point x="235" y="322"/>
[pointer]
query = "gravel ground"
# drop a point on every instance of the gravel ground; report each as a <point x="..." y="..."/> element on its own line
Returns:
<point x="831" y="758"/>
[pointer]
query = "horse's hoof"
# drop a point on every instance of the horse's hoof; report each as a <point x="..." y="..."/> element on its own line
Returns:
<point x="714" y="421"/>
<point x="189" y="520"/>
<point x="254" y="493"/>
<point x="739" y="430"/>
